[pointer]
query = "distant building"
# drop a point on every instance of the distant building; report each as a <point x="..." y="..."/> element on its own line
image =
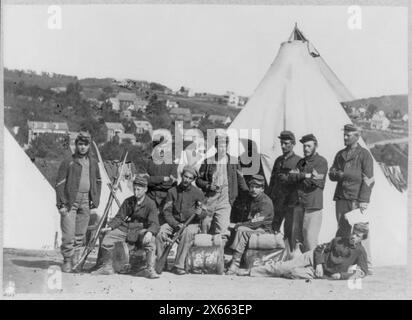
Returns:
<point x="141" y="126"/>
<point x="196" y="118"/>
<point x="242" y="101"/>
<point x="186" y="92"/>
<point x="181" y="114"/>
<point x="232" y="100"/>
<point x="38" y="127"/>
<point x="126" y="99"/>
<point x="172" y="104"/>
<point x="58" y="89"/>
<point x="379" y="121"/>
<point x="225" y="120"/>
<point x="140" y="104"/>
<point x="115" y="104"/>
<point x="126" y="115"/>
<point x="127" y="136"/>
<point x="113" y="129"/>
<point x="405" y="118"/>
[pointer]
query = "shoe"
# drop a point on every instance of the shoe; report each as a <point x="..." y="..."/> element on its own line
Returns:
<point x="179" y="271"/>
<point x="67" y="265"/>
<point x="234" y="266"/>
<point x="243" y="272"/>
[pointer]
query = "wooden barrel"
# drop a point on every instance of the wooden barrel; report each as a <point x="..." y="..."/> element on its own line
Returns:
<point x="208" y="260"/>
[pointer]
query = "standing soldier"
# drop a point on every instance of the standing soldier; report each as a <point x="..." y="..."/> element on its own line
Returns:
<point x="279" y="189"/>
<point x="180" y="205"/>
<point x="137" y="224"/>
<point x="353" y="170"/>
<point x="309" y="179"/>
<point x="78" y="190"/>
<point x="220" y="179"/>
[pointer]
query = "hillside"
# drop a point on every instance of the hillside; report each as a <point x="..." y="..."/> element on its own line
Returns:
<point x="44" y="80"/>
<point x="388" y="104"/>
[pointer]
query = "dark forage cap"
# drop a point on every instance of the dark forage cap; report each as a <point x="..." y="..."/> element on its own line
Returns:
<point x="308" y="137"/>
<point x="350" y="128"/>
<point x="287" y="135"/>
<point x="140" y="181"/>
<point x="258" y="180"/>
<point x="83" y="136"/>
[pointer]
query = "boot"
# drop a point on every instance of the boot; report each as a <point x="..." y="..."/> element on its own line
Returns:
<point x="149" y="272"/>
<point x="75" y="260"/>
<point x="234" y="266"/>
<point x="243" y="272"/>
<point x="99" y="261"/>
<point x="67" y="265"/>
<point x="107" y="263"/>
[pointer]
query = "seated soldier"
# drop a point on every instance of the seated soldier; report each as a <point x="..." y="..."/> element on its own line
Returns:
<point x="260" y="216"/>
<point x="331" y="260"/>
<point x="181" y="204"/>
<point x="136" y="223"/>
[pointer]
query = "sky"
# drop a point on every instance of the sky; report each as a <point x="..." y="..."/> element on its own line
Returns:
<point x="209" y="48"/>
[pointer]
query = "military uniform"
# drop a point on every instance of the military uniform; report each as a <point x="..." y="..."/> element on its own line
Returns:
<point x="308" y="197"/>
<point x="354" y="185"/>
<point x="260" y="216"/>
<point x="179" y="207"/>
<point x="280" y="191"/>
<point x="133" y="220"/>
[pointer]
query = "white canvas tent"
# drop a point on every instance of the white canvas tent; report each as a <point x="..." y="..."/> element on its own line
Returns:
<point x="294" y="95"/>
<point x="30" y="216"/>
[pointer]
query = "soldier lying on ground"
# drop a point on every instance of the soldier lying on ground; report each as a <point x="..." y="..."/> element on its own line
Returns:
<point x="331" y="260"/>
<point x="136" y="223"/>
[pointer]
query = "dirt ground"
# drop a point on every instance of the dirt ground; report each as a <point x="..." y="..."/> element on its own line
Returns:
<point x="34" y="275"/>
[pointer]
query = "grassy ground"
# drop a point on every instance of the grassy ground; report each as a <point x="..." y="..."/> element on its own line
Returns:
<point x="32" y="273"/>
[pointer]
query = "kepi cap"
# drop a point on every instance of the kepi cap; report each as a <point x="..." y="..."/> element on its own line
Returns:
<point x="287" y="135"/>
<point x="258" y="180"/>
<point x="140" y="181"/>
<point x="192" y="170"/>
<point x="308" y="137"/>
<point x="350" y="128"/>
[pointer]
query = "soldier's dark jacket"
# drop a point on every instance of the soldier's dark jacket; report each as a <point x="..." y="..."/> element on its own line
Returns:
<point x="308" y="191"/>
<point x="279" y="189"/>
<point x="338" y="255"/>
<point x="133" y="216"/>
<point x="180" y="204"/>
<point x="157" y="188"/>
<point x="68" y="180"/>
<point x="260" y="213"/>
<point x="234" y="179"/>
<point x="357" y="168"/>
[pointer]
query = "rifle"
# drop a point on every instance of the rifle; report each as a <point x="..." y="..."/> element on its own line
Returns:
<point x="92" y="242"/>
<point x="161" y="261"/>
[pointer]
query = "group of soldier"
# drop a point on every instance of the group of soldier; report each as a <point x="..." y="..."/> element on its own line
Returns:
<point x="162" y="205"/>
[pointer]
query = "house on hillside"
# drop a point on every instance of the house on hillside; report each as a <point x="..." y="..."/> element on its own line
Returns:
<point x="379" y="121"/>
<point x="405" y="118"/>
<point x="225" y="120"/>
<point x="113" y="129"/>
<point x="115" y="104"/>
<point x="126" y="99"/>
<point x="123" y="137"/>
<point x="242" y="101"/>
<point x="232" y="99"/>
<point x="172" y="104"/>
<point x="185" y="92"/>
<point x="58" y="89"/>
<point x="196" y="118"/>
<point x="126" y="115"/>
<point x="181" y="114"/>
<point x="38" y="127"/>
<point x="141" y="126"/>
